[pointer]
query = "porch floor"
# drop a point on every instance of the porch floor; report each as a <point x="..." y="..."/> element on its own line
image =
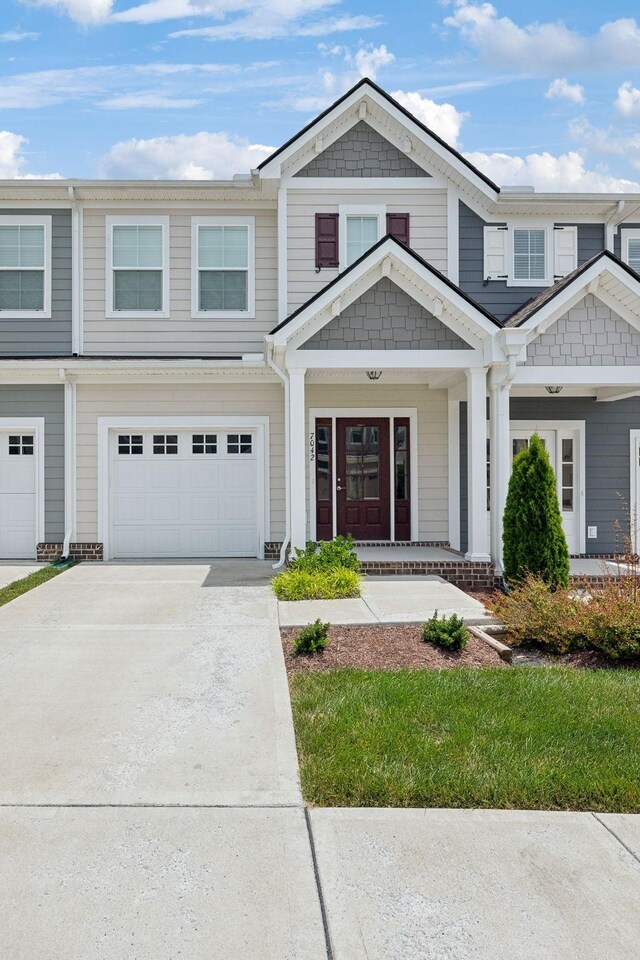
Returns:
<point x="407" y="553"/>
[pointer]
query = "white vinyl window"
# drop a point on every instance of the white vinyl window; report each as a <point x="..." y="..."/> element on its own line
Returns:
<point x="631" y="248"/>
<point x="530" y="254"/>
<point x="137" y="267"/>
<point x="25" y="266"/>
<point x="223" y="267"/>
<point x="360" y="229"/>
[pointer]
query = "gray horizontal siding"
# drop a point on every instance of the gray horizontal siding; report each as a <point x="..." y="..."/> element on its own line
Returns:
<point x="45" y="337"/>
<point x="43" y="400"/>
<point x="496" y="296"/>
<point x="607" y="457"/>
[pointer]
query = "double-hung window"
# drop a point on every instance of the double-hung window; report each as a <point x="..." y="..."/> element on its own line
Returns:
<point x="25" y="266"/>
<point x="631" y="248"/>
<point x="137" y="266"/>
<point x="530" y="254"/>
<point x="360" y="229"/>
<point x="223" y="267"/>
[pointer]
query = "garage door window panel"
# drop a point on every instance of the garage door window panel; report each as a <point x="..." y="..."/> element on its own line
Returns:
<point x="204" y="443"/>
<point x="25" y="266"/>
<point x="130" y="444"/>
<point x="241" y="443"/>
<point x="21" y="446"/>
<point x="166" y="443"/>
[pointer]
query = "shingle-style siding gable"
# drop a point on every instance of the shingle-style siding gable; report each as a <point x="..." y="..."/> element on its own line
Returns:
<point x="385" y="318"/>
<point x="495" y="296"/>
<point x="362" y="152"/>
<point x="48" y="336"/>
<point x="589" y="335"/>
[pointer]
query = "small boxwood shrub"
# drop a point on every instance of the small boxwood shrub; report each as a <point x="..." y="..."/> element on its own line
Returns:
<point x="450" y="633"/>
<point x="326" y="555"/>
<point x="332" y="584"/>
<point x="313" y="638"/>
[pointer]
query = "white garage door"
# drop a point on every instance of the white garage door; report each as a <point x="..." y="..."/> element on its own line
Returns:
<point x="18" y="480"/>
<point x="184" y="493"/>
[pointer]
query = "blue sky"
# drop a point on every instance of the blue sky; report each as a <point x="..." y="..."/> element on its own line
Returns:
<point x="201" y="88"/>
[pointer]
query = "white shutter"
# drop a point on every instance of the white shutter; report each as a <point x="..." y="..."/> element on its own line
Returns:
<point x="495" y="253"/>
<point x="565" y="250"/>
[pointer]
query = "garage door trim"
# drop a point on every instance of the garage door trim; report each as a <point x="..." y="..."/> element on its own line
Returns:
<point x="33" y="425"/>
<point x="107" y="424"/>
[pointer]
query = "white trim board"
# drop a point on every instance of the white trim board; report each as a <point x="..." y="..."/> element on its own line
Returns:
<point x="259" y="424"/>
<point x="335" y="413"/>
<point x="35" y="425"/>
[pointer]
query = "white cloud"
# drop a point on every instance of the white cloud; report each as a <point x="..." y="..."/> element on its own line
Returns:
<point x="607" y="140"/>
<point x="326" y="86"/>
<point x="543" y="47"/>
<point x="17" y="36"/>
<point x="561" y="89"/>
<point x="549" y="173"/>
<point x="248" y="19"/>
<point x="627" y="102"/>
<point x="13" y="161"/>
<point x="202" y="156"/>
<point x="148" y="101"/>
<point x="443" y="118"/>
<point x="85" y="12"/>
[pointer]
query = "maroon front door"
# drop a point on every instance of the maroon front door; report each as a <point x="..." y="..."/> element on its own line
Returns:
<point x="363" y="478"/>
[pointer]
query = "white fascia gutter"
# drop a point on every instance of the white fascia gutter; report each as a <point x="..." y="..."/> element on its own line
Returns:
<point x="69" y="459"/>
<point x="77" y="230"/>
<point x="287" y="455"/>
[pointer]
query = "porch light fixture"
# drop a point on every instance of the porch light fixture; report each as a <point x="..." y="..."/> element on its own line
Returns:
<point x="374" y="374"/>
<point x="553" y="390"/>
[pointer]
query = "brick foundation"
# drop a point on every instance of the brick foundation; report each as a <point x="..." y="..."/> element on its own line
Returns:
<point x="442" y="544"/>
<point x="466" y="574"/>
<point x="272" y="549"/>
<point x="49" y="552"/>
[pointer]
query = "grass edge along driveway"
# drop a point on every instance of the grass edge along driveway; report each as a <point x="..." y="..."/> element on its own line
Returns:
<point x="526" y="738"/>
<point x="17" y="587"/>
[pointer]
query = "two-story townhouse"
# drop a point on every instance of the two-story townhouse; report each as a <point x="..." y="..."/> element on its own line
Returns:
<point x="356" y="338"/>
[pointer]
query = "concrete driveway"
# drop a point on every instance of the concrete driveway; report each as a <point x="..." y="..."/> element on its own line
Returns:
<point x="150" y="806"/>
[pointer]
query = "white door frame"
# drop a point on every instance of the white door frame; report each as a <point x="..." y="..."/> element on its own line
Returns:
<point x="334" y="413"/>
<point x="634" y="500"/>
<point x="559" y="426"/>
<point x="259" y="424"/>
<point x="33" y="425"/>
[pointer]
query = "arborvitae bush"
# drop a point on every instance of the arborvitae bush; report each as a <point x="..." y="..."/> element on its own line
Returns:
<point x="533" y="537"/>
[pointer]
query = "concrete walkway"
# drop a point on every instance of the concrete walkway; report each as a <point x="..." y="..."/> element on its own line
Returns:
<point x="150" y="807"/>
<point x="11" y="570"/>
<point x="388" y="600"/>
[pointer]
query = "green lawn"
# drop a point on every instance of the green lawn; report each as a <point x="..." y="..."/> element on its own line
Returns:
<point x="528" y="738"/>
<point x="18" y="587"/>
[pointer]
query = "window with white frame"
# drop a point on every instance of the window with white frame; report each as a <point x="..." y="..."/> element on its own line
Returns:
<point x="223" y="266"/>
<point x="138" y="268"/>
<point x="25" y="266"/>
<point x="529" y="254"/>
<point x="631" y="248"/>
<point x="360" y="229"/>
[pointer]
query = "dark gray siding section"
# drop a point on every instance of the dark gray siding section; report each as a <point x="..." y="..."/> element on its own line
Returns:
<point x="43" y="400"/>
<point x="45" y="337"/>
<point x="385" y="318"/>
<point x="496" y="296"/>
<point x="607" y="457"/>
<point x="362" y="152"/>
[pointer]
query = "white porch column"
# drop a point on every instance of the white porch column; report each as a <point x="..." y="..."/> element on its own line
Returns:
<point x="500" y="462"/>
<point x="298" y="458"/>
<point x="454" y="472"/>
<point x="478" y="547"/>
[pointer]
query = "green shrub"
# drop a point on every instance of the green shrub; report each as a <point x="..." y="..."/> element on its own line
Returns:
<point x="450" y="633"/>
<point x="533" y="538"/>
<point x="535" y="613"/>
<point x="331" y="584"/>
<point x="613" y="621"/>
<point x="326" y="555"/>
<point x="313" y="638"/>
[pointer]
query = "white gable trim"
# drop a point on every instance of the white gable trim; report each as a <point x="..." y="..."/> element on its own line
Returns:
<point x="351" y="107"/>
<point x="392" y="261"/>
<point x="590" y="282"/>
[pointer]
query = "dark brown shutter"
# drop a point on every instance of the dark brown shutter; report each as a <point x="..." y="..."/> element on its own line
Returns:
<point x="326" y="240"/>
<point x="398" y="226"/>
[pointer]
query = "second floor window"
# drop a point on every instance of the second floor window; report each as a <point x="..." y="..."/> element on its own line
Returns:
<point x="362" y="234"/>
<point x="631" y="248"/>
<point x="223" y="266"/>
<point x="137" y="281"/>
<point x="529" y="255"/>
<point x="25" y="266"/>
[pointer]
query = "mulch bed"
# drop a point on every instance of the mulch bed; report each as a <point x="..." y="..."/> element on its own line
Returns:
<point x="384" y="647"/>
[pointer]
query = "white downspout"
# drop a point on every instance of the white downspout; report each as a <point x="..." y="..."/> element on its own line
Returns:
<point x="287" y="456"/>
<point x="69" y="459"/>
<point x="76" y="273"/>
